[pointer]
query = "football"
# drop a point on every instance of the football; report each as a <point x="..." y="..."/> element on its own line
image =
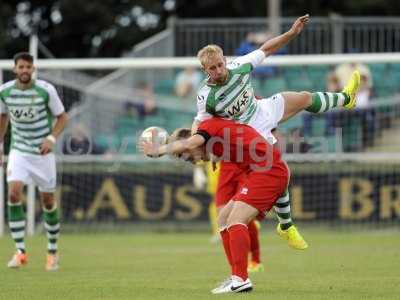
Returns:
<point x="155" y="135"/>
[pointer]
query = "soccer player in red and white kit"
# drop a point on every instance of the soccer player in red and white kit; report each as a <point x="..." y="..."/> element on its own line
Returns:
<point x="227" y="92"/>
<point x="264" y="179"/>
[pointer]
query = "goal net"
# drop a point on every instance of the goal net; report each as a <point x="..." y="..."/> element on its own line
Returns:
<point x="344" y="163"/>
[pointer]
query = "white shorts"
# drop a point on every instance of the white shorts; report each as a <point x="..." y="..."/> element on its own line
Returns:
<point x="31" y="168"/>
<point x="268" y="115"/>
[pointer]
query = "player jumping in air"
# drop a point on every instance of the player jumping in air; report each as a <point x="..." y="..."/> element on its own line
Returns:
<point x="228" y="93"/>
<point x="31" y="105"/>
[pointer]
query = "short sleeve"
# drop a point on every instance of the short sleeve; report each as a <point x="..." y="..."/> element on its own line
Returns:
<point x="55" y="104"/>
<point x="255" y="58"/>
<point x="208" y="128"/>
<point x="3" y="107"/>
<point x="202" y="113"/>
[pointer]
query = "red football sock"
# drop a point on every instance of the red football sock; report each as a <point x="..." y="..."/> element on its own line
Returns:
<point x="254" y="242"/>
<point x="225" y="241"/>
<point x="240" y="247"/>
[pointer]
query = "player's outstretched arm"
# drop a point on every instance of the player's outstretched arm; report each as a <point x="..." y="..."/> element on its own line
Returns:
<point x="272" y="45"/>
<point x="174" y="148"/>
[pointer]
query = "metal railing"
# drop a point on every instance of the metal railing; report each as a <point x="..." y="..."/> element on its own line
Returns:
<point x="333" y="34"/>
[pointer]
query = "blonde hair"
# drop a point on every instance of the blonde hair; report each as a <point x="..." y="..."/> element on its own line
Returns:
<point x="207" y="52"/>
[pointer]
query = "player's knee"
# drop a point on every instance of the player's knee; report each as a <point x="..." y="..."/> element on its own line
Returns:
<point x="14" y="195"/>
<point x="48" y="202"/>
<point x="234" y="219"/>
<point x="239" y="218"/>
<point x="48" y="206"/>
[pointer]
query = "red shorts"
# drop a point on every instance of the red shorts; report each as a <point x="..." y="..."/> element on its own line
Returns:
<point x="229" y="180"/>
<point x="258" y="189"/>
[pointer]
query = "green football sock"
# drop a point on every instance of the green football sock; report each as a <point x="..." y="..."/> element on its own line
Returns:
<point x="52" y="225"/>
<point x="282" y="210"/>
<point x="322" y="102"/>
<point x="16" y="222"/>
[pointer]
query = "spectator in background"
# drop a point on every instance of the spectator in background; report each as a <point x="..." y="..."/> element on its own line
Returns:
<point x="338" y="78"/>
<point x="253" y="42"/>
<point x="187" y="82"/>
<point x="79" y="142"/>
<point x="145" y="103"/>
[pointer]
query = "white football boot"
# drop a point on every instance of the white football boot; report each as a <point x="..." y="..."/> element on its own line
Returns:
<point x="234" y="284"/>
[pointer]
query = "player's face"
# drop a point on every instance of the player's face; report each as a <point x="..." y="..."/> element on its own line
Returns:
<point x="215" y="67"/>
<point x="23" y="71"/>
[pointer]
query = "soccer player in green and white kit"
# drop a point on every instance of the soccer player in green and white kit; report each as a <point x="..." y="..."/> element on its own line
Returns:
<point x="31" y="105"/>
<point x="227" y="92"/>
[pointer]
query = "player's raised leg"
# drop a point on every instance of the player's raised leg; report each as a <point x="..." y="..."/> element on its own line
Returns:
<point x="351" y="89"/>
<point x="16" y="221"/>
<point x="321" y="102"/>
<point x="285" y="228"/>
<point x="52" y="225"/>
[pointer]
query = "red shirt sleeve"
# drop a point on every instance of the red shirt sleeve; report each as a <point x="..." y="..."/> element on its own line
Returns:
<point x="208" y="128"/>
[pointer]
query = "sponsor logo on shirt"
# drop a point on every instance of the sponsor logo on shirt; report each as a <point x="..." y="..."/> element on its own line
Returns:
<point x="200" y="98"/>
<point x="237" y="108"/>
<point x="244" y="191"/>
<point x="23" y="113"/>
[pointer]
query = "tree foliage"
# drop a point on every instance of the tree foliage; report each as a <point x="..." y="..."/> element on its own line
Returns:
<point x="107" y="28"/>
<point x="76" y="28"/>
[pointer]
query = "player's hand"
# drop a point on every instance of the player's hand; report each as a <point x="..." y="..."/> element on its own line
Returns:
<point x="149" y="149"/>
<point x="299" y="24"/>
<point x="46" y="147"/>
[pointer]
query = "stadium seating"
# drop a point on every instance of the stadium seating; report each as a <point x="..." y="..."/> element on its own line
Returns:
<point x="272" y="86"/>
<point x="295" y="78"/>
<point x="165" y="87"/>
<point x="123" y="138"/>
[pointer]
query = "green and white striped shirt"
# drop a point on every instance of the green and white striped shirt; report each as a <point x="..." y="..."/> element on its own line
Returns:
<point x="234" y="99"/>
<point x="31" y="113"/>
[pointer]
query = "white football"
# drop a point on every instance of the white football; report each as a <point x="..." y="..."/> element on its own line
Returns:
<point x="155" y="135"/>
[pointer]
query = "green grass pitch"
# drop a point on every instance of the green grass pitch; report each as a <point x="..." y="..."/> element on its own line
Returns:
<point x="338" y="265"/>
